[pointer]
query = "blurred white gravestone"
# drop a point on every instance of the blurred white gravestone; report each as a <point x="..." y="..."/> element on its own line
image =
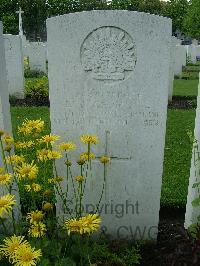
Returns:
<point x="191" y="53"/>
<point x="36" y="52"/>
<point x="109" y="76"/>
<point x="5" y="118"/>
<point x="179" y="59"/>
<point x="14" y="65"/>
<point x="194" y="192"/>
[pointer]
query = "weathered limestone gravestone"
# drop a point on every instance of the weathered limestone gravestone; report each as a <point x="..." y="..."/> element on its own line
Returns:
<point x="179" y="59"/>
<point x="14" y="65"/>
<point x="36" y="52"/>
<point x="5" y="119"/>
<point x="193" y="212"/>
<point x="191" y="53"/>
<point x="109" y="76"/>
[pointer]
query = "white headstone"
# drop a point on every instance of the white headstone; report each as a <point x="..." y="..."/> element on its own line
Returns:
<point x="191" y="53"/>
<point x="179" y="59"/>
<point x="36" y="51"/>
<point x="14" y="65"/>
<point x="5" y="118"/>
<point x="108" y="73"/>
<point x="193" y="193"/>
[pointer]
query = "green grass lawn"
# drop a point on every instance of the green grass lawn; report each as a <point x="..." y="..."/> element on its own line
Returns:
<point x="185" y="87"/>
<point x="177" y="150"/>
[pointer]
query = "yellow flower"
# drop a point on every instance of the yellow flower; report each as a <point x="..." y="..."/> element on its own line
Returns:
<point x="2" y="170"/>
<point x="35" y="216"/>
<point x="31" y="127"/>
<point x="55" y="180"/>
<point x="5" y="179"/>
<point x="92" y="139"/>
<point x="47" y="206"/>
<point x="47" y="193"/>
<point x="36" y="187"/>
<point x="27" y="188"/>
<point x="65" y="146"/>
<point x="15" y="159"/>
<point x="81" y="162"/>
<point x="25" y="255"/>
<point x="79" y="178"/>
<point x="6" y="204"/>
<point x="54" y="155"/>
<point x="72" y="226"/>
<point x="43" y="155"/>
<point x="84" y="156"/>
<point x="27" y="170"/>
<point x="37" y="229"/>
<point x="11" y="244"/>
<point x="68" y="163"/>
<point x="8" y="148"/>
<point x="49" y="139"/>
<point x="1" y="133"/>
<point x="104" y="159"/>
<point x="84" y="225"/>
<point x="24" y="144"/>
<point x="89" y="223"/>
<point x="8" y="139"/>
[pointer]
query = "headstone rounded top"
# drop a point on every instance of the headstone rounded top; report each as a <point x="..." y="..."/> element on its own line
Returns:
<point x="108" y="53"/>
<point x="110" y="13"/>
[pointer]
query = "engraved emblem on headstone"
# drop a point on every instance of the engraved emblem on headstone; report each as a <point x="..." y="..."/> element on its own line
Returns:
<point x="108" y="53"/>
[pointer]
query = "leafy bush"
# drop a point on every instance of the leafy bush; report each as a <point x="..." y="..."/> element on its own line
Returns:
<point x="33" y="73"/>
<point x="37" y="89"/>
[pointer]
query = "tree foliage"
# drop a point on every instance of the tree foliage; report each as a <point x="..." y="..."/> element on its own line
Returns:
<point x="192" y="19"/>
<point x="185" y="15"/>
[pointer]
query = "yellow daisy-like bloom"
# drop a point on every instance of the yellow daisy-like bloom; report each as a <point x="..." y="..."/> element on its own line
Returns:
<point x="35" y="216"/>
<point x="84" y="156"/>
<point x="43" y="155"/>
<point x="1" y="133"/>
<point x="37" y="229"/>
<point x="11" y="244"/>
<point x="36" y="187"/>
<point x="6" y="204"/>
<point x="8" y="148"/>
<point x="47" y="206"/>
<point x="104" y="159"/>
<point x="2" y="170"/>
<point x="55" y="180"/>
<point x="24" y="144"/>
<point x="27" y="170"/>
<point x="31" y="127"/>
<point x="25" y="255"/>
<point x="84" y="225"/>
<point x="5" y="179"/>
<point x="92" y="139"/>
<point x="89" y="223"/>
<point x="15" y="159"/>
<point x="66" y="146"/>
<point x="72" y="226"/>
<point x="54" y="155"/>
<point x="49" y="139"/>
<point x="27" y="188"/>
<point x="8" y="139"/>
<point x="47" y="193"/>
<point x="80" y="178"/>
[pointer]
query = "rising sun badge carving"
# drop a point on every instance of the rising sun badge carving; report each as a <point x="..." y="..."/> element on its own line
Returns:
<point x="108" y="53"/>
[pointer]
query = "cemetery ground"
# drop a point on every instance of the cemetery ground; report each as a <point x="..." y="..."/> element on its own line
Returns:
<point x="174" y="245"/>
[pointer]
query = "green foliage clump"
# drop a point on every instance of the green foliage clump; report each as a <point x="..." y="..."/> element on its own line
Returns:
<point x="37" y="88"/>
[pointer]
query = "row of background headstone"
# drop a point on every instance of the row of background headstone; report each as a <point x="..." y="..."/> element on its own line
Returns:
<point x="36" y="52"/>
